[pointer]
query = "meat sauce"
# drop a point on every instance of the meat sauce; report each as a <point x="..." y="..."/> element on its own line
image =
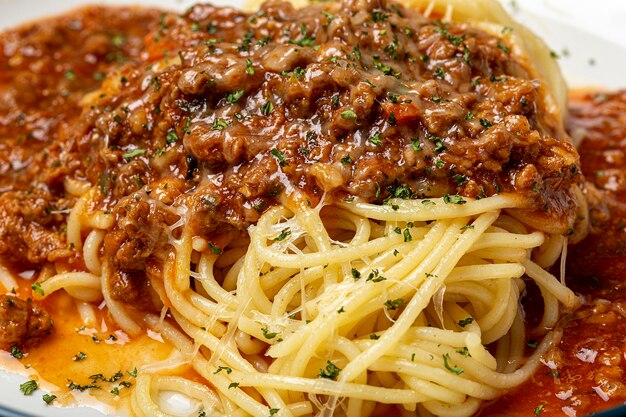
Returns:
<point x="586" y="371"/>
<point x="45" y="70"/>
<point x="225" y="112"/>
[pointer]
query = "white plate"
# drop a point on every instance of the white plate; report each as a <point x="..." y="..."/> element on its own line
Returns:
<point x="591" y="42"/>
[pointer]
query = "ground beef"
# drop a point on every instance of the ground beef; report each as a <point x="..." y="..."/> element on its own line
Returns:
<point x="45" y="70"/>
<point x="21" y="322"/>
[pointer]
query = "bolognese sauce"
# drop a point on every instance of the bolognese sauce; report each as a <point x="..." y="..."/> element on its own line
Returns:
<point x="585" y="372"/>
<point x="45" y="70"/>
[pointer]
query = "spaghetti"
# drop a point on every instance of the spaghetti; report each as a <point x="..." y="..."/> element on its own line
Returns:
<point x="346" y="307"/>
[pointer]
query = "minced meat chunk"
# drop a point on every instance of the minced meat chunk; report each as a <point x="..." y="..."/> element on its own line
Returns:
<point x="21" y="322"/>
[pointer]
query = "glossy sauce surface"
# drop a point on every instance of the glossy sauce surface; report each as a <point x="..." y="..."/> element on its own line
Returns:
<point x="586" y="371"/>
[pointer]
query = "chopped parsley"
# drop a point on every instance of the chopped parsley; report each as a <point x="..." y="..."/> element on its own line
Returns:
<point x="355" y="274"/>
<point x="385" y="69"/>
<point x="416" y="145"/>
<point x="249" y="67"/>
<point x="283" y="235"/>
<point x="466" y="321"/>
<point x="453" y="199"/>
<point x="264" y="41"/>
<point x="439" y="146"/>
<point x="298" y="72"/>
<point x="397" y="10"/>
<point x="16" y="352"/>
<point x="223" y="368"/>
<point x="29" y="387"/>
<point x="219" y="124"/>
<point x="375" y="276"/>
<point x="274" y="411"/>
<point x="70" y="75"/>
<point x="348" y="115"/>
<point x="453" y="369"/>
<point x="157" y="84"/>
<point x="346" y="160"/>
<point x="330" y="372"/>
<point x="234" y="97"/>
<point x="171" y="137"/>
<point x="79" y="357"/>
<point x="134" y="153"/>
<point x="376" y="139"/>
<point x="246" y="41"/>
<point x="394" y="304"/>
<point x="117" y="40"/>
<point x="233" y="385"/>
<point x="282" y="160"/>
<point x="305" y="39"/>
<point x="214" y="249"/>
<point x="485" y="123"/>
<point x="267" y="108"/>
<point x="378" y="16"/>
<point x="267" y="334"/>
<point x="459" y="179"/>
<point x="37" y="288"/>
<point x="440" y="72"/>
<point x="504" y="48"/>
<point x="538" y="409"/>
<point x="466" y="55"/>
<point x="186" y="129"/>
<point x="48" y="398"/>
<point x="392" y="48"/>
<point x="393" y="98"/>
<point x="464" y="351"/>
<point x="329" y="17"/>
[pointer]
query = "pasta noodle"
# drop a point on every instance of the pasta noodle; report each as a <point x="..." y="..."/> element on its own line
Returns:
<point x="355" y="305"/>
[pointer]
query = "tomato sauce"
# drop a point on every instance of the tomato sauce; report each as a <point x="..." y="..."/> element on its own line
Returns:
<point x="590" y="362"/>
